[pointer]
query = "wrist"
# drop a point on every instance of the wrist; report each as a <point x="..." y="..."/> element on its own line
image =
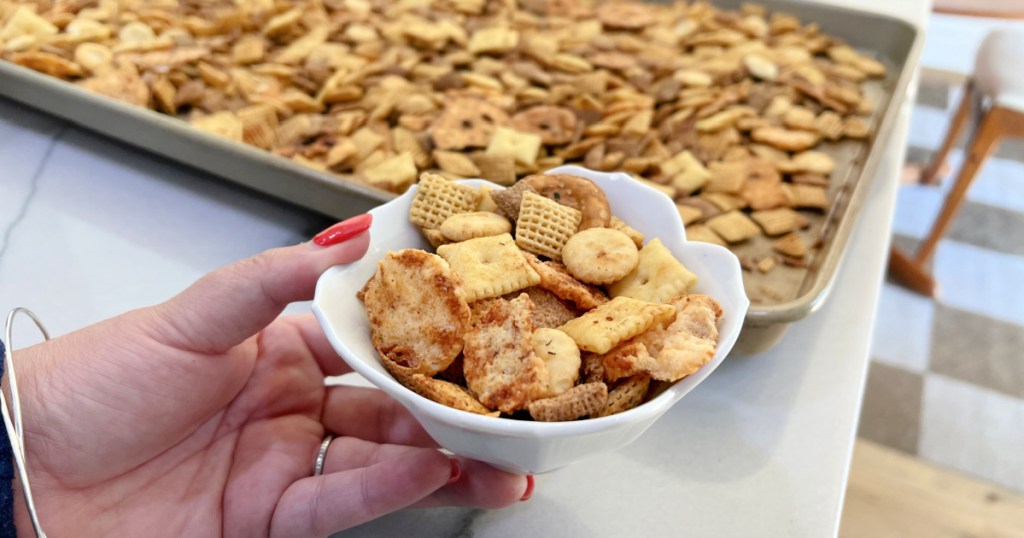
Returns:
<point x="22" y="520"/>
<point x="9" y="485"/>
<point x="15" y="519"/>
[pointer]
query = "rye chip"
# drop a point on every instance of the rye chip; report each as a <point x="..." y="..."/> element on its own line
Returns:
<point x="555" y="278"/>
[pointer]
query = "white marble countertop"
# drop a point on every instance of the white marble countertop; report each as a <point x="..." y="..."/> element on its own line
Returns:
<point x="91" y="228"/>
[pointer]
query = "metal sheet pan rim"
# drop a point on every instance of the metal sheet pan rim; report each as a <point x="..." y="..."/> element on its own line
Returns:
<point x="786" y="312"/>
<point x="816" y="295"/>
<point x="12" y="75"/>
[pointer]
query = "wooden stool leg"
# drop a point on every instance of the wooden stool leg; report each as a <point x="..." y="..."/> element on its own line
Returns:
<point x="909" y="274"/>
<point x="929" y="176"/>
<point x="982" y="144"/>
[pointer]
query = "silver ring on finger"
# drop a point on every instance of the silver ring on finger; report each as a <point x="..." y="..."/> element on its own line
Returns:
<point x="321" y="456"/>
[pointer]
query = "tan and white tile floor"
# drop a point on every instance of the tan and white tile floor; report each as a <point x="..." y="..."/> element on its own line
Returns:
<point x="947" y="376"/>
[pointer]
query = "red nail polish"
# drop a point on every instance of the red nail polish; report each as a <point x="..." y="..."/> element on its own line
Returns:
<point x="344" y="230"/>
<point x="456" y="471"/>
<point x="529" y="488"/>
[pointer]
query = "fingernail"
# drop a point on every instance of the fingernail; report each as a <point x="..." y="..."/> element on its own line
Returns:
<point x="456" y="471"/>
<point x="529" y="488"/>
<point x="344" y="230"/>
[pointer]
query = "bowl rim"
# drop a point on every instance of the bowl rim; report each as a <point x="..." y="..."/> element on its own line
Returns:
<point x="417" y="403"/>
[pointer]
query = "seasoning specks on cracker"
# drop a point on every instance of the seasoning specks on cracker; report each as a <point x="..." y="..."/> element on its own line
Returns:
<point x="487" y="327"/>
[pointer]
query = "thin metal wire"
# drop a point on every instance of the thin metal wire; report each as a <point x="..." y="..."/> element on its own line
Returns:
<point x="15" y="427"/>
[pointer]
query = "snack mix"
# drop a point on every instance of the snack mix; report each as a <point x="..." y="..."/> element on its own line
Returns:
<point x="724" y="111"/>
<point x="549" y="315"/>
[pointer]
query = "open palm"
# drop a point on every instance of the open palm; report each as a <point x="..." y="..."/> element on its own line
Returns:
<point x="202" y="416"/>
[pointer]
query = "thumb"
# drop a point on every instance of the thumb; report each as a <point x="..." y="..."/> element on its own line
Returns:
<point x="229" y="305"/>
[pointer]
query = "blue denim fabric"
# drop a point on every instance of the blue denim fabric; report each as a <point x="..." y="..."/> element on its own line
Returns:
<point x="6" y="476"/>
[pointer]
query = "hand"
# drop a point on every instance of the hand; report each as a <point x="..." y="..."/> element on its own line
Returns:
<point x="203" y="416"/>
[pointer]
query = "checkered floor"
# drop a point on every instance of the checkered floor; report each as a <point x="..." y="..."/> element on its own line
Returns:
<point x="947" y="377"/>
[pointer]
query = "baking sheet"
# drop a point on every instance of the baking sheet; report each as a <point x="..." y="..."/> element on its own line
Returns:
<point x="788" y="294"/>
<point x="779" y="297"/>
<point x="330" y="194"/>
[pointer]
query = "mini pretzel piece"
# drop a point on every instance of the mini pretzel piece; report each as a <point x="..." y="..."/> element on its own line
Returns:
<point x="466" y="123"/>
<point x="554" y="125"/>
<point x="576" y="192"/>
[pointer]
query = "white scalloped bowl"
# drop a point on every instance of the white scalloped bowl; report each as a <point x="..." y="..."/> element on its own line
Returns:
<point x="516" y="445"/>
